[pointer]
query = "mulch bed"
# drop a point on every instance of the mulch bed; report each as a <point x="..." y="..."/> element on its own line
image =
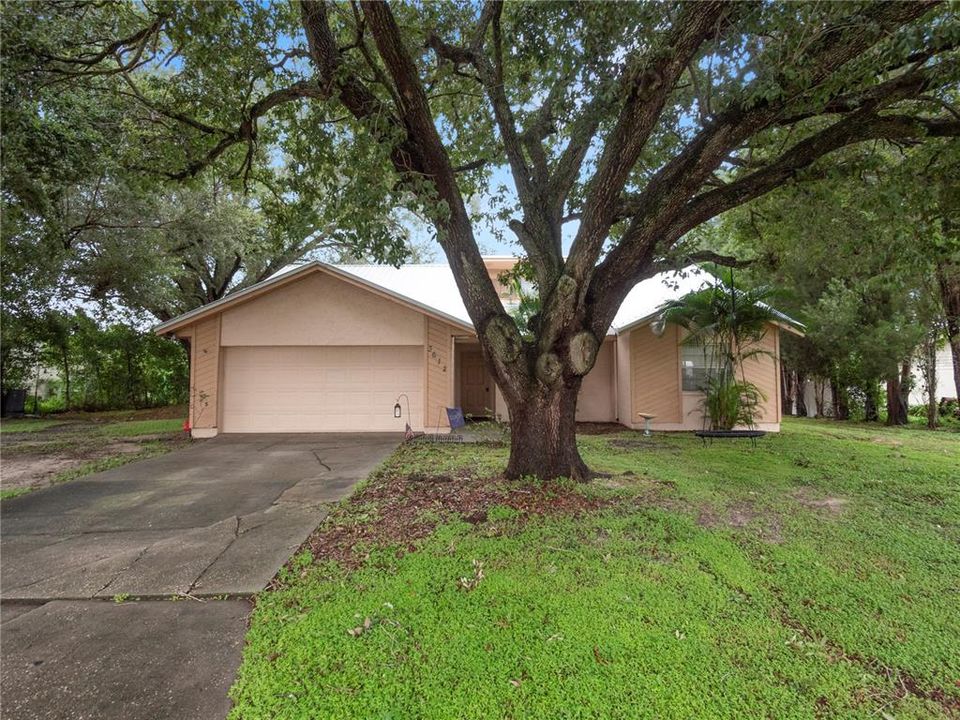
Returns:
<point x="410" y="508"/>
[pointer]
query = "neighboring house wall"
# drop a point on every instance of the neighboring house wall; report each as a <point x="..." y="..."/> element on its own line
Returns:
<point x="597" y="399"/>
<point x="497" y="266"/>
<point x="810" y="399"/>
<point x="945" y="384"/>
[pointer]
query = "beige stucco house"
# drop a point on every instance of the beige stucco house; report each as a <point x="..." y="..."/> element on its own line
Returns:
<point x="324" y="348"/>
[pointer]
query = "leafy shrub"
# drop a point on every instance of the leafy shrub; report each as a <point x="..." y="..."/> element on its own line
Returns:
<point x="949" y="407"/>
<point x="730" y="403"/>
<point x="919" y="411"/>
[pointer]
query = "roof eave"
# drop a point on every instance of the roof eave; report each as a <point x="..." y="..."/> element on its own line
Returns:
<point x="792" y="326"/>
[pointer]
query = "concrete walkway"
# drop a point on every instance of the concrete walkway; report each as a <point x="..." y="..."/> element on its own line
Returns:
<point x="217" y="519"/>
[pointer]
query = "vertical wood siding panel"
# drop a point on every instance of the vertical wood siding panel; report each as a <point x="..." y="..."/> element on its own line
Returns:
<point x="655" y="375"/>
<point x="762" y="371"/>
<point x="439" y="361"/>
<point x="204" y="395"/>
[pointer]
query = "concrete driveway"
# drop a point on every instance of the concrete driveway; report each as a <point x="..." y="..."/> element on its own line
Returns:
<point x="217" y="519"/>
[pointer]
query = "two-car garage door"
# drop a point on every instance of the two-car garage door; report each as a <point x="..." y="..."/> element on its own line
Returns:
<point x="320" y="389"/>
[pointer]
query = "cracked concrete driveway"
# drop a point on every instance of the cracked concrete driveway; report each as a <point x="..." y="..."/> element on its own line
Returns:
<point x="216" y="519"/>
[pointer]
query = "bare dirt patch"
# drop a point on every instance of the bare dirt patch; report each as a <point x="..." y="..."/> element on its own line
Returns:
<point x="599" y="428"/>
<point x="809" y="498"/>
<point x="743" y="515"/>
<point x="36" y="464"/>
<point x="887" y="441"/>
<point x="409" y="508"/>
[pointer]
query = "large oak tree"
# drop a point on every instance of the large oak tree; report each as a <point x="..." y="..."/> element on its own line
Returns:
<point x="622" y="127"/>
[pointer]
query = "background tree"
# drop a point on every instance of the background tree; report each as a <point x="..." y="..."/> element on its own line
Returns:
<point x="654" y="120"/>
<point x="861" y="250"/>
<point x="84" y="217"/>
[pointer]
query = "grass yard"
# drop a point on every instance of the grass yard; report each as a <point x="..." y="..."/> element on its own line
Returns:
<point x="42" y="452"/>
<point x="26" y="425"/>
<point x="817" y="575"/>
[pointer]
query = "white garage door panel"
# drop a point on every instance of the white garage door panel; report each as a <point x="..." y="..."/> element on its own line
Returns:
<point x="320" y="389"/>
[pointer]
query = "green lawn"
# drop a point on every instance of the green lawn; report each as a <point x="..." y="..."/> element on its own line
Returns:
<point x="141" y="427"/>
<point x="817" y="575"/>
<point x="26" y="425"/>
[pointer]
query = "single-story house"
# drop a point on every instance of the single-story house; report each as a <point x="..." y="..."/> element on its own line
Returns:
<point x="333" y="348"/>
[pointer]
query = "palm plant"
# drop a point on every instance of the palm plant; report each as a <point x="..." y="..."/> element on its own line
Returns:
<point x="527" y="308"/>
<point x="729" y="323"/>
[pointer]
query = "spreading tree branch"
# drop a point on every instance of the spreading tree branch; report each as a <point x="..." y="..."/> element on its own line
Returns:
<point x="649" y="82"/>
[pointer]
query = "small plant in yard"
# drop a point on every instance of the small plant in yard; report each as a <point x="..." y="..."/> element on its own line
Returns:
<point x="470" y="582"/>
<point x="120" y="598"/>
<point x="730" y="403"/>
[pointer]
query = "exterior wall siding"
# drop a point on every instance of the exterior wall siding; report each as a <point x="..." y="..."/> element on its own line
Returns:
<point x="622" y="374"/>
<point x="764" y="371"/>
<point x="320" y="309"/>
<point x="205" y="371"/>
<point x="655" y="376"/>
<point x="439" y="372"/>
<point x="597" y="399"/>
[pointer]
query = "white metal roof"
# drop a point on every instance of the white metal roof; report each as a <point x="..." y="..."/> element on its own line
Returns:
<point x="430" y="285"/>
<point x="647" y="296"/>
<point x="433" y="287"/>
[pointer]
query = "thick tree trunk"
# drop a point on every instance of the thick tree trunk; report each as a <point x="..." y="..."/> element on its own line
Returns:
<point x="841" y="403"/>
<point x="543" y="440"/>
<point x="66" y="381"/>
<point x="801" y="390"/>
<point x="185" y="344"/>
<point x="930" y="379"/>
<point x="870" y="402"/>
<point x="819" y="393"/>
<point x="898" y="390"/>
<point x="787" y="388"/>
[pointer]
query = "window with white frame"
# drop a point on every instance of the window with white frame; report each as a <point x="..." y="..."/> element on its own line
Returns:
<point x="696" y="366"/>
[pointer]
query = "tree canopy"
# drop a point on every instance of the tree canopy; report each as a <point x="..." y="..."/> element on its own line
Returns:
<point x="868" y="250"/>
<point x="621" y="126"/>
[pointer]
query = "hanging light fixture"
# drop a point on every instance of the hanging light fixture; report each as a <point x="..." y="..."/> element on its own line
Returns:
<point x="659" y="325"/>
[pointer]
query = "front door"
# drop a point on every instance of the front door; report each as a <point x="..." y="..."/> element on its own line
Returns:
<point x="476" y="390"/>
